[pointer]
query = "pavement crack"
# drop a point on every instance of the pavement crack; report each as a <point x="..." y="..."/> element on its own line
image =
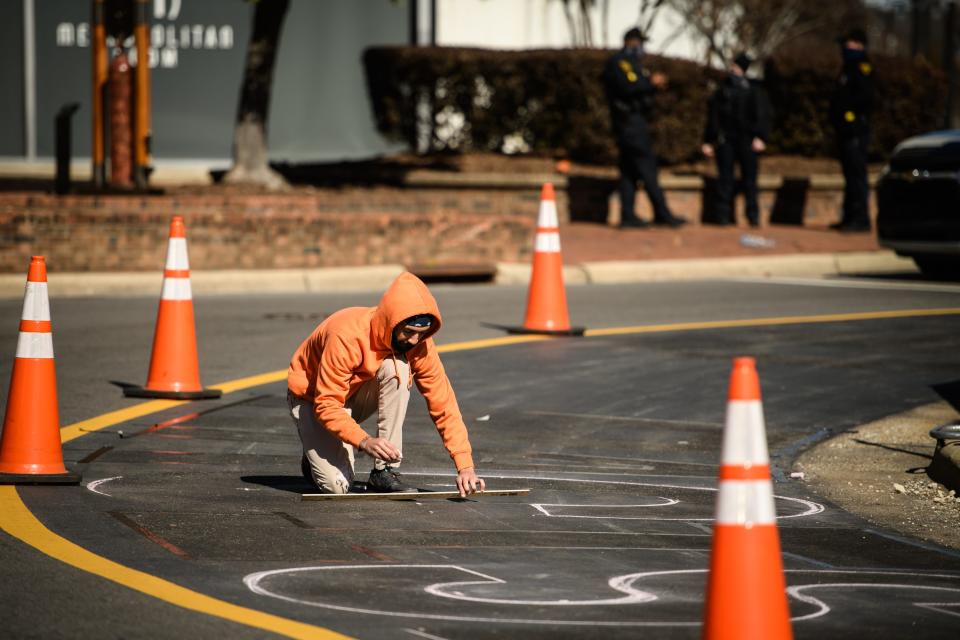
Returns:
<point x="293" y="520"/>
<point x="155" y="538"/>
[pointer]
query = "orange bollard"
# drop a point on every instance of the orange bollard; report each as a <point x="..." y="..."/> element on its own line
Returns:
<point x="546" y="296"/>
<point x="746" y="590"/>
<point x="30" y="451"/>
<point x="174" y="366"/>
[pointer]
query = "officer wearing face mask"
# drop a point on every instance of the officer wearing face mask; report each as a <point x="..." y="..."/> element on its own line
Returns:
<point x="630" y="92"/>
<point x="738" y="124"/>
<point x="850" y="110"/>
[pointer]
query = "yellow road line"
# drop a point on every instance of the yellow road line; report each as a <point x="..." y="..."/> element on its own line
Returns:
<point x="20" y="523"/>
<point x="252" y="381"/>
<point x="490" y="342"/>
<point x="78" y="429"/>
<point x="759" y="322"/>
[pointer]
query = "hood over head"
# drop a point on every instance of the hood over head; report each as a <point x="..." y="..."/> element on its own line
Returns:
<point x="407" y="296"/>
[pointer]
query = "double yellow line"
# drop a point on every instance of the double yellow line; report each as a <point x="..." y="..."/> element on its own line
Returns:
<point x="17" y="520"/>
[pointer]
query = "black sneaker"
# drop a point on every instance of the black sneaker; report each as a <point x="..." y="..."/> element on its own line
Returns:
<point x="854" y="227"/>
<point x="387" y="480"/>
<point x="673" y="221"/>
<point x="634" y="223"/>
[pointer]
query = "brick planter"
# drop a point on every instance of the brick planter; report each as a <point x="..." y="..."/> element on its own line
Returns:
<point x="432" y="218"/>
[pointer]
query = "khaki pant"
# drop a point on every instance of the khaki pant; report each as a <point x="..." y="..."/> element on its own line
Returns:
<point x="330" y="459"/>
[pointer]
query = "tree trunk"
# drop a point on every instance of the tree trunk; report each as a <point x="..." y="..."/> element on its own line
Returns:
<point x="250" y="134"/>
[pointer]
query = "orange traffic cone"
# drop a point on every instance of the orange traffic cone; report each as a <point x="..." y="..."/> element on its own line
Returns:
<point x="174" y="367"/>
<point x="30" y="450"/>
<point x="746" y="592"/>
<point x="546" y="297"/>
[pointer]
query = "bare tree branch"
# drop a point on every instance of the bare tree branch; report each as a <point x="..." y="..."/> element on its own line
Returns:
<point x="757" y="26"/>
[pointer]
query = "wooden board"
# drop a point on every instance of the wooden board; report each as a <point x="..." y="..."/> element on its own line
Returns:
<point x="422" y="494"/>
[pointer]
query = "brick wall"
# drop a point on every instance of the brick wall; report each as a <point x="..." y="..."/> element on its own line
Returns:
<point x="437" y="218"/>
<point x="315" y="228"/>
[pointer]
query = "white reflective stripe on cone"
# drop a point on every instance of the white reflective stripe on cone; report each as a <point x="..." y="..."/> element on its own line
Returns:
<point x="176" y="289"/>
<point x="36" y="304"/>
<point x="548" y="214"/>
<point x="745" y="502"/>
<point x="35" y="345"/>
<point x="177" y="254"/>
<point x="744" y="437"/>
<point x="548" y="242"/>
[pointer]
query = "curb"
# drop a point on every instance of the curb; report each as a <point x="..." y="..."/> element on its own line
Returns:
<point x="148" y="283"/>
<point x="808" y="265"/>
<point x="945" y="467"/>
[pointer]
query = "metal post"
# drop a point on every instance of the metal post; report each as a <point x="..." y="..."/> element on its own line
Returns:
<point x="949" y="67"/>
<point x="97" y="94"/>
<point x="29" y="80"/>
<point x="914" y="27"/>
<point x="414" y="16"/>
<point x="62" y="137"/>
<point x="141" y="124"/>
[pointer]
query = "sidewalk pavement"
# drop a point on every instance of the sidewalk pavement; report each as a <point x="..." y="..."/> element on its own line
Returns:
<point x="593" y="254"/>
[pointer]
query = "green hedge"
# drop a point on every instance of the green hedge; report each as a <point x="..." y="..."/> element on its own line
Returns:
<point x="553" y="100"/>
<point x="910" y="98"/>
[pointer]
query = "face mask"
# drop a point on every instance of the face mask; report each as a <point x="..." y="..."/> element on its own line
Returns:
<point x="399" y="347"/>
<point x="402" y="347"/>
<point x="635" y="51"/>
<point x="853" y="55"/>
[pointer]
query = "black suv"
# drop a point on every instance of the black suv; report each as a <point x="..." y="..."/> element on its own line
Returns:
<point x="918" y="201"/>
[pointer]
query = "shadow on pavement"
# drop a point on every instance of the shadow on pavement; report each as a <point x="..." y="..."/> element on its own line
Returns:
<point x="905" y="276"/>
<point x="293" y="484"/>
<point x="950" y="392"/>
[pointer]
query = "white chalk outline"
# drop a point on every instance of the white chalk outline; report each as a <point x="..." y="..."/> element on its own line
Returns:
<point x="813" y="508"/>
<point x="542" y="508"/>
<point x="824" y="609"/>
<point x="96" y="483"/>
<point x="423" y="634"/>
<point x="623" y="583"/>
<point x="252" y="581"/>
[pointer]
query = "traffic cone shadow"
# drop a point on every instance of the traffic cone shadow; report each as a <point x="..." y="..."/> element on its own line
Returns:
<point x="546" y="297"/>
<point x="746" y="591"/>
<point x="30" y="448"/>
<point x="174" y="365"/>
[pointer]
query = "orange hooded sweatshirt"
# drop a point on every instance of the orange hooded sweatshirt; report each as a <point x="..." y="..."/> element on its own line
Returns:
<point x="347" y="349"/>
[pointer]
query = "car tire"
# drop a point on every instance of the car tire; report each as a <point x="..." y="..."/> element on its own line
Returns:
<point x="939" y="267"/>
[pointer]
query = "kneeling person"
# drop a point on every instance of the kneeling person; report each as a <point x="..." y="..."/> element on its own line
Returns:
<point x="363" y="361"/>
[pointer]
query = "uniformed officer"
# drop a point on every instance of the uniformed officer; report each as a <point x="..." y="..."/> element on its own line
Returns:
<point x="630" y="89"/>
<point x="738" y="125"/>
<point x="850" y="110"/>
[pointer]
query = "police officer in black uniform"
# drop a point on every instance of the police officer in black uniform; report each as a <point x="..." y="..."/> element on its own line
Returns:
<point x="630" y="89"/>
<point x="850" y="111"/>
<point x="738" y="125"/>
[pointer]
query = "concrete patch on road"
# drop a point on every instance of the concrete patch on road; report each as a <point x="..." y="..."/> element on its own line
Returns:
<point x="878" y="471"/>
<point x="808" y="265"/>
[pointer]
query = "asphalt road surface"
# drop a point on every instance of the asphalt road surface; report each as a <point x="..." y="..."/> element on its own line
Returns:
<point x="190" y="525"/>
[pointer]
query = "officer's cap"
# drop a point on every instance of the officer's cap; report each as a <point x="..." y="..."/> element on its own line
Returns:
<point x="634" y="34"/>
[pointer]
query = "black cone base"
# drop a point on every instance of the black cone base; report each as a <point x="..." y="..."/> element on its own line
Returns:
<point x="572" y="331"/>
<point x="40" y="478"/>
<point x="143" y="392"/>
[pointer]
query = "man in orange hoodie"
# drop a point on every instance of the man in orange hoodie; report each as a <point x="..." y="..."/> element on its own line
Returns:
<point x="361" y="361"/>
